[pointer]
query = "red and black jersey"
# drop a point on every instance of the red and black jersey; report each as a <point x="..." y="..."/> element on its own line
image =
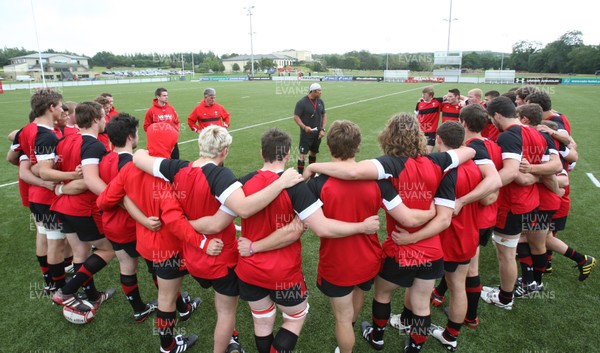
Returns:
<point x="487" y="214"/>
<point x="565" y="202"/>
<point x="450" y="112"/>
<point x="562" y="121"/>
<point x="549" y="201"/>
<point x="118" y="225"/>
<point x="154" y="197"/>
<point x="417" y="181"/>
<point x="103" y="137"/>
<point x="202" y="191"/>
<point x="74" y="150"/>
<point x="281" y="268"/>
<point x="517" y="142"/>
<point x="428" y="114"/>
<point x="36" y="143"/>
<point x="461" y="239"/>
<point x="23" y="186"/>
<point x="353" y="259"/>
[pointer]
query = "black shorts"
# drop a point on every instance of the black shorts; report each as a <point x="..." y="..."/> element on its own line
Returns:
<point x="485" y="235"/>
<point x="291" y="296"/>
<point x="227" y="285"/>
<point x="514" y="224"/>
<point x="558" y="224"/>
<point x="334" y="291"/>
<point x="451" y="266"/>
<point x="542" y="221"/>
<point x="85" y="227"/>
<point x="309" y="142"/>
<point x="170" y="269"/>
<point x="430" y="137"/>
<point x="42" y="214"/>
<point x="129" y="248"/>
<point x="405" y="276"/>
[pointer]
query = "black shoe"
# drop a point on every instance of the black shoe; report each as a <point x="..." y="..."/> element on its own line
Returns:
<point x="182" y="343"/>
<point x="192" y="306"/>
<point x="586" y="268"/>
<point x="367" y="331"/>
<point x="143" y="315"/>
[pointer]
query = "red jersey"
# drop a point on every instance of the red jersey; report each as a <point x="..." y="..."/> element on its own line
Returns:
<point x="203" y="116"/>
<point x="418" y="182"/>
<point x="428" y="114"/>
<point x="353" y="259"/>
<point x="69" y="130"/>
<point x="201" y="192"/>
<point x="281" y="268"/>
<point x="154" y="197"/>
<point x="562" y="121"/>
<point x="118" y="225"/>
<point x="461" y="238"/>
<point x="111" y="113"/>
<point x="490" y="131"/>
<point x="161" y="114"/>
<point x="74" y="150"/>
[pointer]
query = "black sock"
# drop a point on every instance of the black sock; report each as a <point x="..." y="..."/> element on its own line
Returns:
<point x="43" y="261"/>
<point x="381" y="316"/>
<point x="129" y="283"/>
<point x="526" y="262"/>
<point x="84" y="277"/>
<point x="57" y="274"/>
<point x="452" y="330"/>
<point x="68" y="261"/>
<point x="182" y="306"/>
<point x="406" y="316"/>
<point x="165" y="323"/>
<point x="574" y="255"/>
<point x="285" y="341"/>
<point x="312" y="159"/>
<point x="473" y="288"/>
<point x="418" y="333"/>
<point x="263" y="344"/>
<point x="442" y="287"/>
<point x="300" y="166"/>
<point x="505" y="297"/>
<point x="539" y="266"/>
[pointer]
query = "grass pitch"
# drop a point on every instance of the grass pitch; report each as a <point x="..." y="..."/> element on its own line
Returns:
<point x="562" y="319"/>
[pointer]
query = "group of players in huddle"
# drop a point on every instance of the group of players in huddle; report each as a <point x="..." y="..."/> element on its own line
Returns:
<point x="500" y="171"/>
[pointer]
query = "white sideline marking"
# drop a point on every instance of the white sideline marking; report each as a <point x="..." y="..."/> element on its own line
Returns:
<point x="593" y="179"/>
<point x="289" y="117"/>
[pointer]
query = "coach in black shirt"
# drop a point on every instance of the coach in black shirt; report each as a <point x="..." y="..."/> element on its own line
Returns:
<point x="310" y="116"/>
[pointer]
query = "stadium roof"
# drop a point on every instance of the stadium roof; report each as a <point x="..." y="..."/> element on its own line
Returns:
<point x="48" y="55"/>
<point x="259" y="57"/>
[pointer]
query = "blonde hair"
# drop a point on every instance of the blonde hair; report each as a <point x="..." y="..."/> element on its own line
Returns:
<point x="212" y="140"/>
<point x="402" y="137"/>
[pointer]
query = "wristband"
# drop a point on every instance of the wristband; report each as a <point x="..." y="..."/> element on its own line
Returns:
<point x="250" y="249"/>
<point x="60" y="189"/>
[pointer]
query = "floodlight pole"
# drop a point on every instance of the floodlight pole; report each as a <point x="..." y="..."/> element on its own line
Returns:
<point x="449" y="28"/>
<point x="249" y="9"/>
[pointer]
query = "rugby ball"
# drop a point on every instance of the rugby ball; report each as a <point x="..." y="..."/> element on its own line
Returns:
<point x="78" y="317"/>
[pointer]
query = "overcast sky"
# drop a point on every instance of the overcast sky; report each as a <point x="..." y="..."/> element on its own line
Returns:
<point x="321" y="27"/>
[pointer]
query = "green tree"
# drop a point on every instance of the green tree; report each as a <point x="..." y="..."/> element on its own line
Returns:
<point x="585" y="59"/>
<point x="521" y="51"/>
<point x="235" y="67"/>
